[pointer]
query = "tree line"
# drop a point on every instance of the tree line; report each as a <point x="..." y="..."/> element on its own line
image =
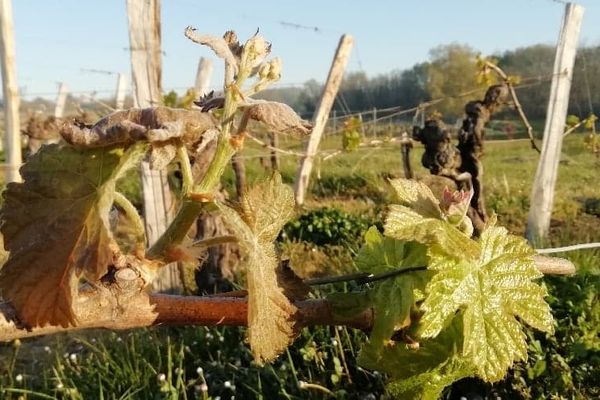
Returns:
<point x="452" y="71"/>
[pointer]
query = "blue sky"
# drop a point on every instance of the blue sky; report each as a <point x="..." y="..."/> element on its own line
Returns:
<point x="55" y="40"/>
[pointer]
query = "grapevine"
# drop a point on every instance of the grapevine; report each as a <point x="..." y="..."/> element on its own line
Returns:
<point x="439" y="304"/>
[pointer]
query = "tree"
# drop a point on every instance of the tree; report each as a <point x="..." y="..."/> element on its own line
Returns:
<point x="530" y="63"/>
<point x="452" y="72"/>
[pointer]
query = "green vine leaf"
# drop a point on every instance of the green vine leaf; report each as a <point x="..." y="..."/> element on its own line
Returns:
<point x="55" y="225"/>
<point x="392" y="299"/>
<point x="418" y="197"/>
<point x="421" y="373"/>
<point x="262" y="212"/>
<point x="403" y="223"/>
<point x="491" y="289"/>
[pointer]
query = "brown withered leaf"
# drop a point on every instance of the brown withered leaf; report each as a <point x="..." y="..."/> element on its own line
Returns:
<point x="164" y="128"/>
<point x="221" y="46"/>
<point x="278" y="117"/>
<point x="263" y="212"/>
<point x="55" y="225"/>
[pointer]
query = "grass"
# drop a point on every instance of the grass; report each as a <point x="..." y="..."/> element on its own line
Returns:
<point x="215" y="363"/>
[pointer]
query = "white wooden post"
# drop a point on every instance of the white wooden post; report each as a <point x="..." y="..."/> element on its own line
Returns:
<point x="542" y="194"/>
<point x="203" y="75"/>
<point x="336" y="73"/>
<point x="144" y="38"/>
<point x="120" y="92"/>
<point x="12" y="127"/>
<point x="61" y="100"/>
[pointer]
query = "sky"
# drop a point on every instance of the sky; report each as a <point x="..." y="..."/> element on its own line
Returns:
<point x="58" y="41"/>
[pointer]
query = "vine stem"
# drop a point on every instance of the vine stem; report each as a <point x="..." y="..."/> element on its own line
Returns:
<point x="124" y="304"/>
<point x="201" y="194"/>
<point x="131" y="212"/>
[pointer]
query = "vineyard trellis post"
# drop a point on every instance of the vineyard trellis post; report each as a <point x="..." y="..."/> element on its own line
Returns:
<point x="203" y="75"/>
<point x="121" y="91"/>
<point x="144" y="38"/>
<point x="542" y="194"/>
<point x="61" y="100"/>
<point x="12" y="126"/>
<point x="334" y="79"/>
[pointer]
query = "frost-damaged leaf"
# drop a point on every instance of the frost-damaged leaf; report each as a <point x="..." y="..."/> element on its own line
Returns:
<point x="163" y="127"/>
<point x="424" y="372"/>
<point x="491" y="289"/>
<point x="55" y="225"/>
<point x="392" y="299"/>
<point x="278" y="117"/>
<point x="263" y="211"/>
<point x="219" y="45"/>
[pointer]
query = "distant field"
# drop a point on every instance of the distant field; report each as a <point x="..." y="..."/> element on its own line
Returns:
<point x="356" y="180"/>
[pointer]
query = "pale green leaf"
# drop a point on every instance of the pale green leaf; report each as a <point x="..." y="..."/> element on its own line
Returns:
<point x="403" y="223"/>
<point x="421" y="373"/>
<point x="267" y="207"/>
<point x="492" y="289"/>
<point x="392" y="299"/>
<point x="263" y="211"/>
<point x="380" y="254"/>
<point x="430" y="385"/>
<point x="417" y="196"/>
<point x="55" y="225"/>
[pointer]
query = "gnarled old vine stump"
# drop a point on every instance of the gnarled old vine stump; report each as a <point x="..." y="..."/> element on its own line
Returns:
<point x="462" y="162"/>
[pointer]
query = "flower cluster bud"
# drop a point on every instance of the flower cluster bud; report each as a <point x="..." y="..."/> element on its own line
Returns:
<point x="454" y="206"/>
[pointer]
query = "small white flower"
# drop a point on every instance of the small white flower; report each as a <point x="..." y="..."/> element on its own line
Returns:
<point x="199" y="370"/>
<point x="161" y="377"/>
<point x="59" y="386"/>
<point x="204" y="388"/>
<point x="47" y="349"/>
<point x="73" y="357"/>
<point x="19" y="378"/>
<point x="301" y="384"/>
<point x="334" y="342"/>
<point x="221" y="339"/>
<point x="227" y="384"/>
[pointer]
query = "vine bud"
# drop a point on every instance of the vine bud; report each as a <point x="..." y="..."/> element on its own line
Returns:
<point x="455" y="205"/>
